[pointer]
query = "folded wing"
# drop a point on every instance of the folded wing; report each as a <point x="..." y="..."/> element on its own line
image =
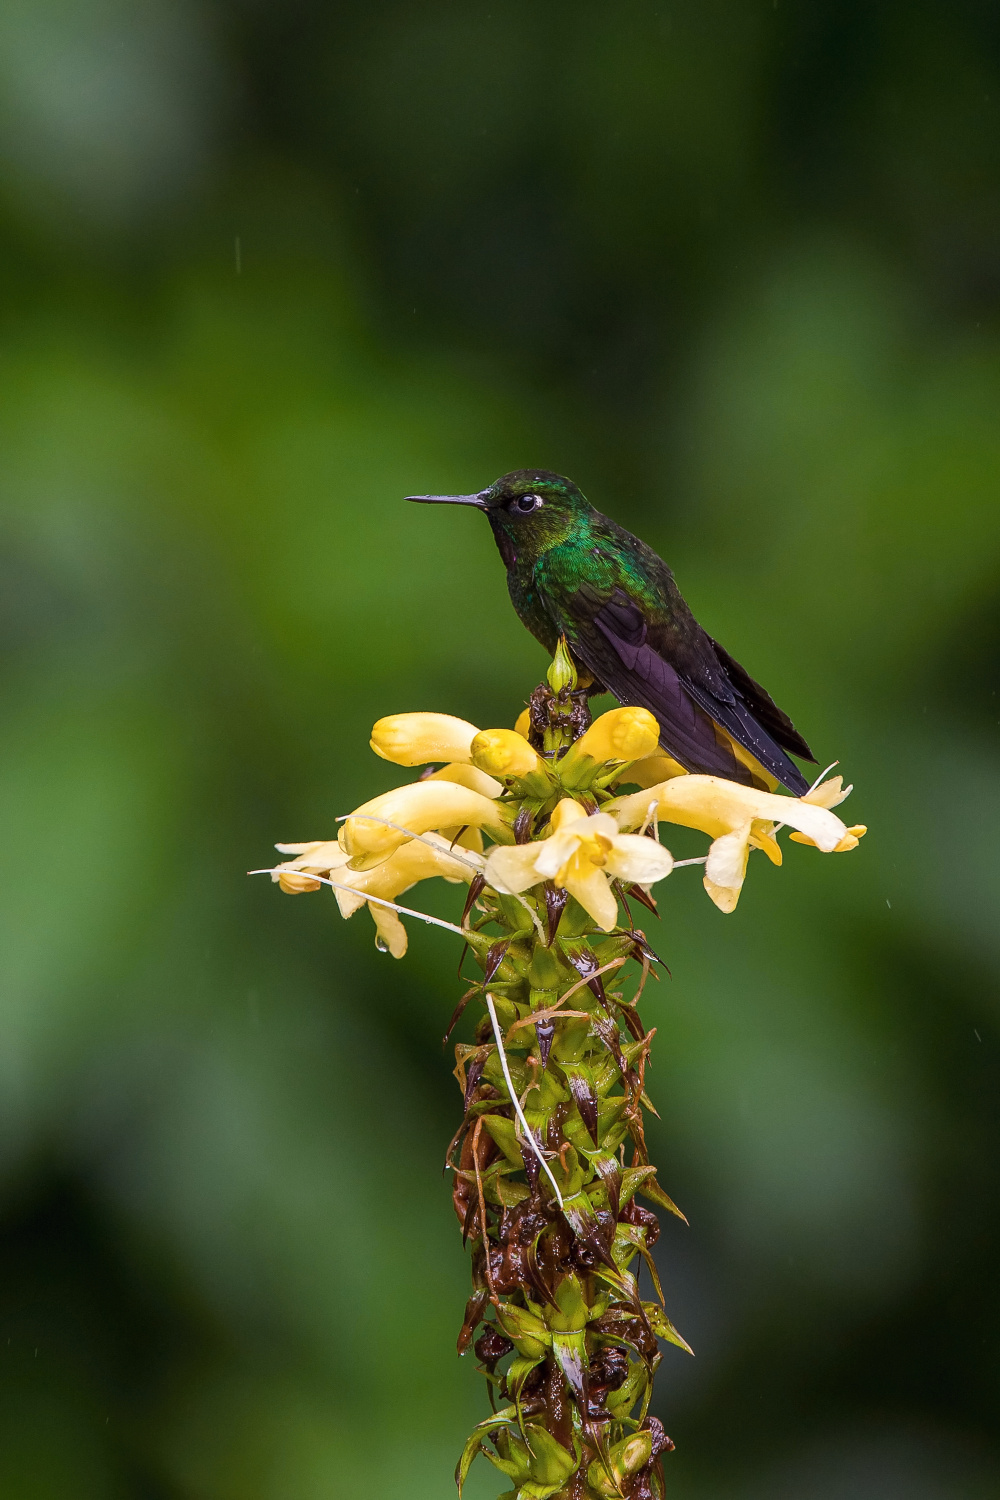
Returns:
<point x="687" y="703"/>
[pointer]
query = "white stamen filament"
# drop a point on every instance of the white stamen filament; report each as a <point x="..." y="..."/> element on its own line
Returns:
<point x="651" y="818"/>
<point x="779" y="826"/>
<point x="404" y="911"/>
<point x="474" y="861"/>
<point x="528" y="1133"/>
<point x="471" y="860"/>
<point x="823" y="774"/>
<point x="542" y="938"/>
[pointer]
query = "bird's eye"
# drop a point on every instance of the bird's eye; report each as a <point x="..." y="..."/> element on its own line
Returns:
<point x="525" y="504"/>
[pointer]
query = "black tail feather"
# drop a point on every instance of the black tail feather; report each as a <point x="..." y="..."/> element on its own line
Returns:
<point x="763" y="707"/>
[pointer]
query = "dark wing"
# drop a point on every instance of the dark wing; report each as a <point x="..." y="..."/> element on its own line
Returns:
<point x="763" y="707"/>
<point x="617" y="651"/>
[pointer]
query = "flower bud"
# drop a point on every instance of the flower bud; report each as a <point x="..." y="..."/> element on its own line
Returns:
<point x="620" y="734"/>
<point x="562" y="673"/>
<point x="551" y="1463"/>
<point x="523" y="724"/>
<point x="571" y="1310"/>
<point x="528" y="1332"/>
<point x="416" y="739"/>
<point x="627" y="1458"/>
<point x="504" y="752"/>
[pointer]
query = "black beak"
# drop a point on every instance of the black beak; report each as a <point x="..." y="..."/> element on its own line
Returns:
<point x="479" y="501"/>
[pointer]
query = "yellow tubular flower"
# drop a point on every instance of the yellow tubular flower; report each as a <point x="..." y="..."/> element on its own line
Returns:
<point x="320" y="857"/>
<point x="416" y="739"/>
<point x="735" y="817"/>
<point x="523" y="725"/>
<point x="620" y="734"/>
<point x="417" y="808"/>
<point x="830" y="794"/>
<point x="504" y="752"/>
<point x="475" y="780"/>
<point x="579" y="855"/>
<point x="412" y="862"/>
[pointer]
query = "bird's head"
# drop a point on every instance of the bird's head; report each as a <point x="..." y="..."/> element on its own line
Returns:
<point x="529" y="510"/>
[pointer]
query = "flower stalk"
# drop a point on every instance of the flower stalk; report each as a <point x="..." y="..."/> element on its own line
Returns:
<point x="552" y="1183"/>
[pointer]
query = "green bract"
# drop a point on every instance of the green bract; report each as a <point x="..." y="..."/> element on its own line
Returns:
<point x="567" y="1344"/>
<point x="550" y="1154"/>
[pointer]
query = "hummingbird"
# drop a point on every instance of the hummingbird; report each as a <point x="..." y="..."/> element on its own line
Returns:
<point x="574" y="572"/>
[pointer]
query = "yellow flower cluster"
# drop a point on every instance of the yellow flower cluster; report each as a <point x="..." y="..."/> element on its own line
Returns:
<point x="435" y="826"/>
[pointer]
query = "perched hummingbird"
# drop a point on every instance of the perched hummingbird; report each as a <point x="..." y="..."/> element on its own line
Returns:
<point x="573" y="572"/>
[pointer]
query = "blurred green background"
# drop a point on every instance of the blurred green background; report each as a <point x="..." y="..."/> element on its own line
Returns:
<point x="734" y="266"/>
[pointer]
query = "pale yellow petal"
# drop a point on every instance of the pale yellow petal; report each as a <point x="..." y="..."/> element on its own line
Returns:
<point x="829" y="793"/>
<point x="726" y="867"/>
<point x="590" y="887"/>
<point x="567" y="811"/>
<point x="717" y="806"/>
<point x="762" y="777"/>
<point x="464" y="838"/>
<point x="552" y="853"/>
<point x="415" y="739"/>
<point x="523" y="725"/>
<point x="417" y="808"/>
<point x="510" y="868"/>
<point x="475" y="780"/>
<point x="321" y="857"/>
<point x="293" y="882"/>
<point x="348" y="899"/>
<point x="762" y="837"/>
<point x="640" y="859"/>
<point x="620" y="734"/>
<point x="411" y="862"/>
<point x="850" y="840"/>
<point x="390" y="931"/>
<point x="504" y="752"/>
<point x="653" y="769"/>
<point x="725" y="898"/>
<point x="727" y="857"/>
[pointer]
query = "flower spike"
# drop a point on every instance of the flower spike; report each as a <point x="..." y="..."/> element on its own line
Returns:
<point x="542" y="827"/>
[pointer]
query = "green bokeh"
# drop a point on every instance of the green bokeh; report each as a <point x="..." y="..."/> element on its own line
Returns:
<point x="268" y="269"/>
